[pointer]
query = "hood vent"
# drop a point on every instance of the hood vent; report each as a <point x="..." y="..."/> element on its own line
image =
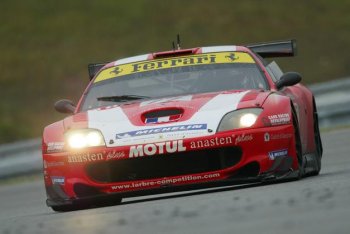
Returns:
<point x="162" y="116"/>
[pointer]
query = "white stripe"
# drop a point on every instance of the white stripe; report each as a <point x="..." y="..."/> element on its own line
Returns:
<point x="213" y="111"/>
<point x="109" y="121"/>
<point x="131" y="59"/>
<point x="212" y="49"/>
<point x="113" y="121"/>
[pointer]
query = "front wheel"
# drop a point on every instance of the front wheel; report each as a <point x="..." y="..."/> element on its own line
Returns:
<point x="318" y="145"/>
<point x="298" y="147"/>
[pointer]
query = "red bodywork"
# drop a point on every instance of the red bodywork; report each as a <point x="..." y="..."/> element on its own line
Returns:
<point x="71" y="175"/>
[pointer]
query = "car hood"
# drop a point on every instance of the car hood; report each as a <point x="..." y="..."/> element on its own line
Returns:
<point x="170" y="118"/>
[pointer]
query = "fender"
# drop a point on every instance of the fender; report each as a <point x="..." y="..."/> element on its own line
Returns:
<point x="302" y="100"/>
<point x="53" y="135"/>
<point x="277" y="110"/>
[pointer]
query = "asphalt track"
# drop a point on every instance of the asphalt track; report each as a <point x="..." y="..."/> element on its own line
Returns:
<point x="313" y="205"/>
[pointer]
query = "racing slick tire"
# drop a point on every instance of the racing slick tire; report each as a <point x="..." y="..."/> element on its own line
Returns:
<point x="298" y="146"/>
<point x="318" y="144"/>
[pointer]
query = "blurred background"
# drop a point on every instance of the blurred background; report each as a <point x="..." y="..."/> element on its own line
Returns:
<point x="46" y="45"/>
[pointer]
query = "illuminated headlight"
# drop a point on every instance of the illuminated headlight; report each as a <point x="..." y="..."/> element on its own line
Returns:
<point x="82" y="138"/>
<point x="243" y="118"/>
<point x="247" y="120"/>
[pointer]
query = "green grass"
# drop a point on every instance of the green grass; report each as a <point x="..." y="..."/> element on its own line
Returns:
<point x="46" y="45"/>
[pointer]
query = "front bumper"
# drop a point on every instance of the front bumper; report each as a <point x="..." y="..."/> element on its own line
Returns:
<point x="265" y="154"/>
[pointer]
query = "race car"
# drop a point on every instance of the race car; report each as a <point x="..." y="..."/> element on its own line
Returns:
<point x="179" y="120"/>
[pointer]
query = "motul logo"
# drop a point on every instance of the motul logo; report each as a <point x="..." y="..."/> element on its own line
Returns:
<point x="156" y="148"/>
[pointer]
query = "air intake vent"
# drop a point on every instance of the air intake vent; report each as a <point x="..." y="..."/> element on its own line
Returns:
<point x="167" y="165"/>
<point x="162" y="116"/>
<point x="174" y="53"/>
<point x="162" y="113"/>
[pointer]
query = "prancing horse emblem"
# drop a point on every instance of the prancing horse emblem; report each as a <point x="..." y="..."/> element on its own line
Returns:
<point x="116" y="71"/>
<point x="232" y="57"/>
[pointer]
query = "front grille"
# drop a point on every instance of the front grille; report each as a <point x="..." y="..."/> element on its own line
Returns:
<point x="159" y="166"/>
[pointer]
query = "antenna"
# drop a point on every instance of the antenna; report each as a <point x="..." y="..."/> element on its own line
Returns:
<point x="178" y="42"/>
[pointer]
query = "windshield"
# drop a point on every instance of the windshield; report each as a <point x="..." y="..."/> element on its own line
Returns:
<point x="125" y="82"/>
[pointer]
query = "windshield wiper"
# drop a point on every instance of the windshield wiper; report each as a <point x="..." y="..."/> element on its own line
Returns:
<point x="122" y="98"/>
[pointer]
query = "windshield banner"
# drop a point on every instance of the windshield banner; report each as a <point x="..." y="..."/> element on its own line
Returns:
<point x="183" y="61"/>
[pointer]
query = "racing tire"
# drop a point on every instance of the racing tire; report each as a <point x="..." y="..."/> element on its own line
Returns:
<point x="318" y="145"/>
<point x="298" y="146"/>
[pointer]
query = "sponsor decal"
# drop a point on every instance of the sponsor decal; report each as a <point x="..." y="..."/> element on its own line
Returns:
<point x="115" y="155"/>
<point x="85" y="157"/>
<point x="174" y="62"/>
<point x="183" y="61"/>
<point x="156" y="148"/>
<point x="164" y="182"/>
<point x="163" y="119"/>
<point x="55" y="147"/>
<point x="266" y="137"/>
<point x="278" y="153"/>
<point x="217" y="141"/>
<point x="52" y="164"/>
<point x="149" y="131"/>
<point x="243" y="138"/>
<point x="220" y="141"/>
<point x="58" y="180"/>
<point x="280" y="136"/>
<point x="116" y="70"/>
<point x="232" y="56"/>
<point x="279" y="119"/>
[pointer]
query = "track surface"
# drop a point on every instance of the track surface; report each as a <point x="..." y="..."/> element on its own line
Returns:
<point x="313" y="205"/>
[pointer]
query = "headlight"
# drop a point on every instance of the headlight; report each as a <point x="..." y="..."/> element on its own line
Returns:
<point x="243" y="118"/>
<point x="81" y="138"/>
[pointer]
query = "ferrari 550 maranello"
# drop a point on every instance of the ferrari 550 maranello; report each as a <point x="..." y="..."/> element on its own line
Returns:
<point x="182" y="119"/>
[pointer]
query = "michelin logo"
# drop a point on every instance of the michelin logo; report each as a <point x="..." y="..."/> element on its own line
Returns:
<point x="58" y="180"/>
<point x="278" y="153"/>
<point x="149" y="131"/>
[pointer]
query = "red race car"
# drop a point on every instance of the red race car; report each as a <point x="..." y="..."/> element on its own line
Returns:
<point x="179" y="120"/>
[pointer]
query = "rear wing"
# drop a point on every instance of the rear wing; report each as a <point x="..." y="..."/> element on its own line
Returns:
<point x="94" y="68"/>
<point x="275" y="49"/>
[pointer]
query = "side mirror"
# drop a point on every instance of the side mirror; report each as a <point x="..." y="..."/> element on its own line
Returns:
<point x="65" y="106"/>
<point x="288" y="79"/>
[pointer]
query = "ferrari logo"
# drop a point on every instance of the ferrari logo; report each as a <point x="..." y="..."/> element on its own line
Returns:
<point x="232" y="57"/>
<point x="116" y="71"/>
